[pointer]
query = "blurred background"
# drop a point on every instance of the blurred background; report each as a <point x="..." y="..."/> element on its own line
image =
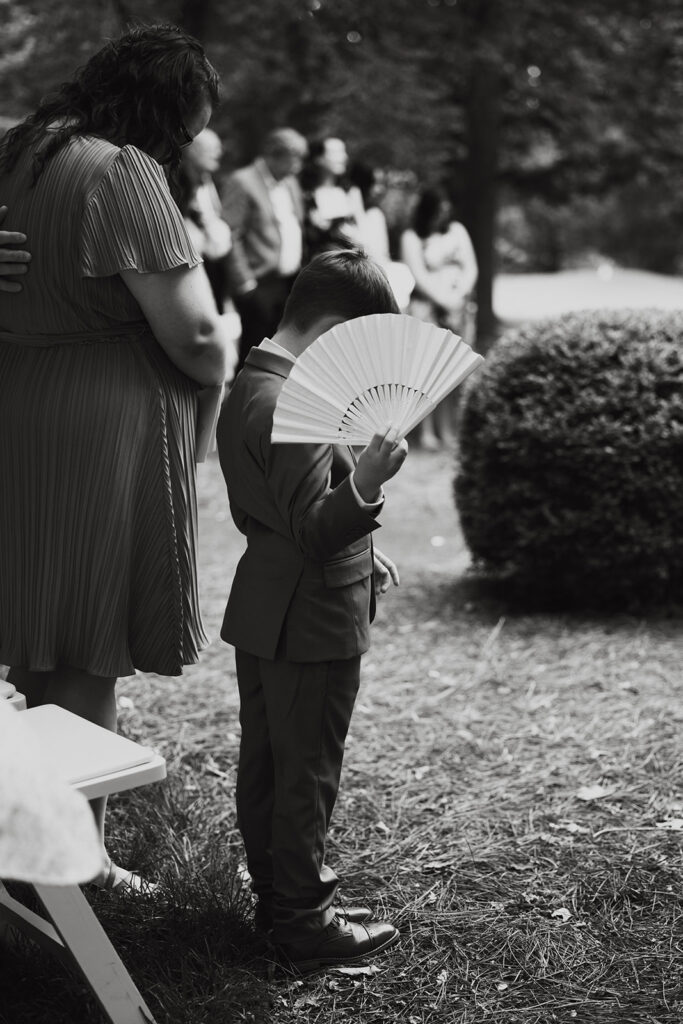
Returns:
<point x="557" y="129"/>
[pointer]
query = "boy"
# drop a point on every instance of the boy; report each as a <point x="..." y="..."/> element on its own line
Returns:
<point x="298" y="615"/>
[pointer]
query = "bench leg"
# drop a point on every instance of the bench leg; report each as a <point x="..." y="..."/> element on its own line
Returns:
<point x="80" y="940"/>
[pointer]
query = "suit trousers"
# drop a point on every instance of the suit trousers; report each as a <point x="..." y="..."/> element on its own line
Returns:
<point x="261" y="310"/>
<point x="294" y="718"/>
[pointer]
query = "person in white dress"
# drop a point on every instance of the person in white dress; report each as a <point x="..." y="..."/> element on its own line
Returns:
<point x="440" y="255"/>
<point x="333" y="207"/>
<point x="373" y="231"/>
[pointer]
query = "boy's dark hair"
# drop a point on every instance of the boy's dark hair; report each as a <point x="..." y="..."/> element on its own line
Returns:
<point x="137" y="89"/>
<point x="344" y="283"/>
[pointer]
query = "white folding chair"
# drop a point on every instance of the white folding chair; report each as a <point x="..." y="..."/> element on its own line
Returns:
<point x="94" y="762"/>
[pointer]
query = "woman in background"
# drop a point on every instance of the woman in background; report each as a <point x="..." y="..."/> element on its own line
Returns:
<point x="101" y="356"/>
<point x="373" y="231"/>
<point x="200" y="205"/>
<point x="439" y="253"/>
<point x="333" y="208"/>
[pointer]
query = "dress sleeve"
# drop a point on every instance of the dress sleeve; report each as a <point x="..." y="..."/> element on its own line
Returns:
<point x="131" y="221"/>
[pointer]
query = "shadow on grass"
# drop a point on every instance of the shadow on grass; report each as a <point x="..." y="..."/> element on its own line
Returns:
<point x="190" y="949"/>
<point x="487" y="598"/>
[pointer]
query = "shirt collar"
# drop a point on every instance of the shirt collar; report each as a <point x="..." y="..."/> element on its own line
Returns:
<point x="268" y="345"/>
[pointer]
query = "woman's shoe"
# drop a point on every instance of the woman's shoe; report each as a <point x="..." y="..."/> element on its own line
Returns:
<point x="118" y="880"/>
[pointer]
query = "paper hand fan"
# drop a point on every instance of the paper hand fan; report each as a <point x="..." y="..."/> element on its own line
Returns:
<point x="365" y="373"/>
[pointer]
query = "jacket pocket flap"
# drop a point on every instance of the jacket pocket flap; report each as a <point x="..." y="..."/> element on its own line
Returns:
<point x="348" y="570"/>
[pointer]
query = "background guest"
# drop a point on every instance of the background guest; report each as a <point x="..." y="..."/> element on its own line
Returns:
<point x="264" y="208"/>
<point x="373" y="232"/>
<point x="101" y="357"/>
<point x="334" y="208"/>
<point x="439" y="253"/>
<point x="200" y="205"/>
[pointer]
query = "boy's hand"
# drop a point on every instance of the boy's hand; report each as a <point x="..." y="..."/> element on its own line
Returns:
<point x="12" y="261"/>
<point x="386" y="573"/>
<point x="377" y="463"/>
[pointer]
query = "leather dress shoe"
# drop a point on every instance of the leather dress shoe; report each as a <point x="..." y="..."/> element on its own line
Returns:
<point x="263" y="915"/>
<point x="341" y="942"/>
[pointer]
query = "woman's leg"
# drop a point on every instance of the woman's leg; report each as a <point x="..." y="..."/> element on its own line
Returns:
<point x="444" y="424"/>
<point x="427" y="438"/>
<point x="90" y="697"/>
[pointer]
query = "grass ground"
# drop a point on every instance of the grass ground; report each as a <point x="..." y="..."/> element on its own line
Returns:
<point x="512" y="799"/>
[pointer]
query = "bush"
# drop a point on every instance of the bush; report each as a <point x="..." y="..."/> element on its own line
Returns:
<point x="571" y="474"/>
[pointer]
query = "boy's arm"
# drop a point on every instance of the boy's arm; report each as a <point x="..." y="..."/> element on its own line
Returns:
<point x="322" y="520"/>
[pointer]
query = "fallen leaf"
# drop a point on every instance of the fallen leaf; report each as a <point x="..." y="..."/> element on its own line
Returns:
<point x="562" y="914"/>
<point x="369" y="970"/>
<point x="442" y="977"/>
<point x="381" y="827"/>
<point x="570" y="826"/>
<point x="594" y="792"/>
<point x="671" y="824"/>
<point x="502" y="985"/>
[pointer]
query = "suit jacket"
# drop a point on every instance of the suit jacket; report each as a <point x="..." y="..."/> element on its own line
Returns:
<point x="303" y="588"/>
<point x="255" y="230"/>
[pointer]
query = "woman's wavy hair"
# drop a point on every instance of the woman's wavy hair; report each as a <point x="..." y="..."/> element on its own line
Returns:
<point x="427" y="212"/>
<point x="137" y="90"/>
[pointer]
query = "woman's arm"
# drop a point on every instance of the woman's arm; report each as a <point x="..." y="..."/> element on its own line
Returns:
<point x="470" y="270"/>
<point x="180" y="309"/>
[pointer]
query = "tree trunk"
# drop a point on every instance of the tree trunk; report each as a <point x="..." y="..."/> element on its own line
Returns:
<point x="481" y="185"/>
<point x="483" y="115"/>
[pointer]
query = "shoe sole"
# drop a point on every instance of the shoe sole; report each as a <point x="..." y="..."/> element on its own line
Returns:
<point x="319" y="963"/>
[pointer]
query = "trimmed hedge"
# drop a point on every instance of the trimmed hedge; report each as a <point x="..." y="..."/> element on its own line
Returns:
<point x="570" y="480"/>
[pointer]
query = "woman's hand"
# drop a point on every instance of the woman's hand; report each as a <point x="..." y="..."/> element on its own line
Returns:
<point x="12" y="261"/>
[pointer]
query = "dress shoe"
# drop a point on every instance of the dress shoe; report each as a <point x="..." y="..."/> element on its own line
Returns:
<point x="263" y="915"/>
<point x="341" y="942"/>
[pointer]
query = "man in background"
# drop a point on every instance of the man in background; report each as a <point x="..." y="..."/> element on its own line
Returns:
<point x="263" y="205"/>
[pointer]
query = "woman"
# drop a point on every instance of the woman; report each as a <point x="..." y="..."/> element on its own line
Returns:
<point x="200" y="205"/>
<point x="438" y="251"/>
<point x="333" y="208"/>
<point x="373" y="231"/>
<point x="101" y="355"/>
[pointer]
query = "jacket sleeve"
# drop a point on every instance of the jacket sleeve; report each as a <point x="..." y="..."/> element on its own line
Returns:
<point x="320" y="520"/>
<point x="237" y="211"/>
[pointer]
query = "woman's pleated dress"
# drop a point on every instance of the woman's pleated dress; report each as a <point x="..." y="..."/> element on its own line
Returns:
<point x="97" y="426"/>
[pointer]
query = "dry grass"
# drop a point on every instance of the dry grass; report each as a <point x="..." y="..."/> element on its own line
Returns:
<point x="464" y="816"/>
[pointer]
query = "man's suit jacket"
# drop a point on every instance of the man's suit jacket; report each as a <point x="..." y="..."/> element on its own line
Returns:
<point x="303" y="588"/>
<point x="255" y="230"/>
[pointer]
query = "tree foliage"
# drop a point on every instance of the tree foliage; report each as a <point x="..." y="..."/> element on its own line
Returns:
<point x="549" y="101"/>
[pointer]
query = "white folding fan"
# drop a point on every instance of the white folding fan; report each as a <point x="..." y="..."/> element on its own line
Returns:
<point x="368" y="372"/>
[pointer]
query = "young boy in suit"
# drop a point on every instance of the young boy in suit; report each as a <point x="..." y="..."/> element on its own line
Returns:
<point x="299" y="614"/>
